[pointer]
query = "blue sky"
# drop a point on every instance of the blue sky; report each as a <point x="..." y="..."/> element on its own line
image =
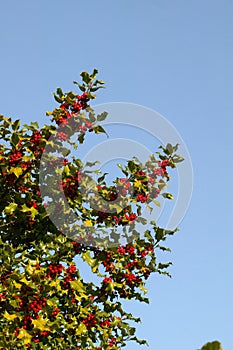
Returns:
<point x="176" y="58"/>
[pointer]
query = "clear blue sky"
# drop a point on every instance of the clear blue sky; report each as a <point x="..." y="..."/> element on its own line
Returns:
<point x="175" y="57"/>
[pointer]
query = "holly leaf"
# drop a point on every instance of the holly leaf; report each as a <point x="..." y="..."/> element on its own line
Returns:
<point x="167" y="195"/>
<point x="41" y="324"/>
<point x="86" y="257"/>
<point x="17" y="171"/>
<point x="14" y="139"/>
<point x="215" y="345"/>
<point x="81" y="329"/>
<point x="102" y="116"/>
<point x="23" y="334"/>
<point x="9" y="316"/>
<point x="88" y="223"/>
<point x="10" y="208"/>
<point x="78" y="286"/>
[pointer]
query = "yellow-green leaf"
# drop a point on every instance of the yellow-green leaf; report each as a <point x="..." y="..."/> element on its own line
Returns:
<point x="9" y="316"/>
<point x="88" y="223"/>
<point x="137" y="183"/>
<point x="78" y="286"/>
<point x="24" y="280"/>
<point x="86" y="257"/>
<point x="41" y="324"/>
<point x="34" y="212"/>
<point x="10" y="208"/>
<point x="81" y="329"/>
<point x="17" y="285"/>
<point x="17" y="171"/>
<point x="55" y="284"/>
<point x="23" y="334"/>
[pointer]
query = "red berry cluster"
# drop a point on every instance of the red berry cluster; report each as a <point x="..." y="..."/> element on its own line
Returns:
<point x="62" y="136"/>
<point x="142" y="197"/>
<point x="36" y="143"/>
<point x="106" y="280"/>
<point x="76" y="107"/>
<point x="15" y="157"/>
<point x="35" y="139"/>
<point x="44" y="333"/>
<point x="161" y="170"/>
<point x="164" y="163"/>
<point x="112" y="342"/>
<point x="123" y="186"/>
<point x="71" y="185"/>
<point x="32" y="204"/>
<point x="131" y="217"/>
<point x="108" y="259"/>
<point x="90" y="321"/>
<point x="125" y="219"/>
<point x="37" y="304"/>
<point x="105" y="323"/>
<point x="54" y="269"/>
<point x="146" y="272"/>
<point x="155" y="192"/>
<point x="55" y="311"/>
<point x="131" y="278"/>
<point x="87" y="125"/>
<point x="122" y="189"/>
<point x="27" y="322"/>
<point x="21" y="302"/>
<point x="16" y="332"/>
<point x="132" y="264"/>
<point x="81" y="103"/>
<point x="39" y="337"/>
<point x="26" y="165"/>
<point x="70" y="271"/>
<point x="22" y="189"/>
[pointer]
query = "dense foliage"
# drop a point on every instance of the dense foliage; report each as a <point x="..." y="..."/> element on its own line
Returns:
<point x="45" y="303"/>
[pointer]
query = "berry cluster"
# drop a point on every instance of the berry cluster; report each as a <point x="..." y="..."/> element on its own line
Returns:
<point x="35" y="139"/>
<point x="123" y="186"/>
<point x="70" y="109"/>
<point x="55" y="311"/>
<point x="106" y="280"/>
<point x="105" y="323"/>
<point x="61" y="305"/>
<point x="37" y="304"/>
<point x="71" y="184"/>
<point x="54" y="269"/>
<point x="15" y="157"/>
<point x="21" y="302"/>
<point x="27" y="322"/>
<point x="90" y="321"/>
<point x="125" y="219"/>
<point x="71" y="269"/>
<point x="62" y="136"/>
<point x="142" y="197"/>
<point x="132" y="262"/>
<point x="70" y="272"/>
<point x="112" y="342"/>
<point x="131" y="278"/>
